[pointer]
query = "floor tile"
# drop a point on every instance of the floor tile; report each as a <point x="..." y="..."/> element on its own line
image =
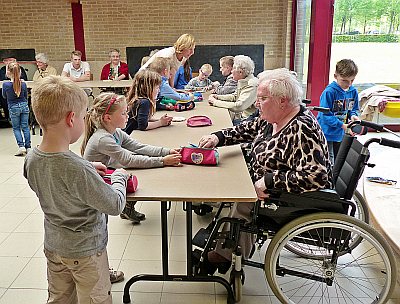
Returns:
<point x="143" y="247"/>
<point x="36" y="266"/>
<point x="20" y="205"/>
<point x="116" y="245"/>
<point x="138" y="297"/>
<point x="10" y="221"/>
<point x="11" y="267"/>
<point x="18" y="296"/>
<point x="170" y="298"/>
<point x="34" y="222"/>
<point x="21" y="244"/>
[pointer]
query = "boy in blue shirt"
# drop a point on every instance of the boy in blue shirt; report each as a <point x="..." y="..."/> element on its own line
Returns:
<point x="163" y="66"/>
<point x="342" y="100"/>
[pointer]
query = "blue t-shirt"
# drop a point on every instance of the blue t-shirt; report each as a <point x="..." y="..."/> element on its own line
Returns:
<point x="9" y="94"/>
<point x="342" y="104"/>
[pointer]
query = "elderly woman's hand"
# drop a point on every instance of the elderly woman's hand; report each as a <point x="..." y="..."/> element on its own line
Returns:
<point x="260" y="187"/>
<point x="211" y="99"/>
<point x="208" y="141"/>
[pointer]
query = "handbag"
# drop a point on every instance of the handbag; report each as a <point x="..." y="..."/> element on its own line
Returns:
<point x="184" y="105"/>
<point x="198" y="121"/>
<point x="199" y="156"/>
<point x="131" y="185"/>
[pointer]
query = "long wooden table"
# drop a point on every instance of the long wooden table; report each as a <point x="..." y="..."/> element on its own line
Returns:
<point x="91" y="84"/>
<point x="227" y="182"/>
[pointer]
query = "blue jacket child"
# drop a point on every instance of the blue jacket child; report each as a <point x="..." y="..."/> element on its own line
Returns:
<point x="342" y="104"/>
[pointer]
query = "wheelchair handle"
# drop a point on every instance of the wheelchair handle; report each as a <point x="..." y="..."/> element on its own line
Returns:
<point x="319" y="109"/>
<point x="390" y="143"/>
<point x="384" y="142"/>
<point x="372" y="125"/>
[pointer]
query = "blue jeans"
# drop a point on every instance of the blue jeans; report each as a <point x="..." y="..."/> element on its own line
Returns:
<point x="19" y="114"/>
<point x="333" y="148"/>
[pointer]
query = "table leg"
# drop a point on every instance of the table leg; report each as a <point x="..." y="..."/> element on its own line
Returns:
<point x="189" y="247"/>
<point x="189" y="277"/>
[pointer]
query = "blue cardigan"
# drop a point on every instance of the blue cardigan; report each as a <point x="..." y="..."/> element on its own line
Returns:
<point x="342" y="104"/>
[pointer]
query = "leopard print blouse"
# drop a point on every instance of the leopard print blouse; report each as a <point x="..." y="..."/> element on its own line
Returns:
<point x="295" y="159"/>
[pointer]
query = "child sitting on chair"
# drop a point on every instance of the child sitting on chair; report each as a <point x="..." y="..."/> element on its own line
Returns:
<point x="162" y="66"/>
<point x="105" y="142"/>
<point x="142" y="98"/>
<point x="201" y="82"/>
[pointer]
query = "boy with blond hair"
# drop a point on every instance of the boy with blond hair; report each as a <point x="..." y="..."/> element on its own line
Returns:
<point x="75" y="216"/>
<point x="162" y="66"/>
<point x="201" y="82"/>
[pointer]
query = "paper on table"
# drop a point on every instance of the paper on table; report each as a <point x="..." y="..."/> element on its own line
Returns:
<point x="178" y="118"/>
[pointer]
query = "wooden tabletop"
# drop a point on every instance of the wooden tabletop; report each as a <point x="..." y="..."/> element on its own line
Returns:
<point x="92" y="84"/>
<point x="228" y="182"/>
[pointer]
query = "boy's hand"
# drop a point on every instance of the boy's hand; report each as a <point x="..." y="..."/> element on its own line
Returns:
<point x="172" y="159"/>
<point x="100" y="168"/>
<point x="191" y="96"/>
<point x="354" y="118"/>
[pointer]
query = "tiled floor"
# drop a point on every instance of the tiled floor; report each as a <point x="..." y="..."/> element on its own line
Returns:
<point x="133" y="249"/>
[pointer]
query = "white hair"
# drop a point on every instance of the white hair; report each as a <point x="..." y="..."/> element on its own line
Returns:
<point x="282" y="84"/>
<point x="42" y="58"/>
<point x="244" y="63"/>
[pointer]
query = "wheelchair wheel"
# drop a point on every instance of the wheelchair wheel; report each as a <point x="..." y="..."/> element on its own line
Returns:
<point x="366" y="274"/>
<point x="362" y="208"/>
<point x="307" y="251"/>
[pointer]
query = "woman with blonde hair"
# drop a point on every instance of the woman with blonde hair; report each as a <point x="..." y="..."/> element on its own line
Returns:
<point x="183" y="48"/>
<point x="16" y="94"/>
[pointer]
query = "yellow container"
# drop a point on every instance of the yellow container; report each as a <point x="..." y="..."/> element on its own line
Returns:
<point x="392" y="109"/>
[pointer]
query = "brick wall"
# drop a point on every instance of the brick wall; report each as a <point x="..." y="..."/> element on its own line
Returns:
<point x="46" y="25"/>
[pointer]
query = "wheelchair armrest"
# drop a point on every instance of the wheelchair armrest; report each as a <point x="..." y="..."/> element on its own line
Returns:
<point x="324" y="200"/>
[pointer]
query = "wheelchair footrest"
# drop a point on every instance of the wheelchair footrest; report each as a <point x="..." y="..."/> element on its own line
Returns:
<point x="201" y="238"/>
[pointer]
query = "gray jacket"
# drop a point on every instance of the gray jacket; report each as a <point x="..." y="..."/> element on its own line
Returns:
<point x="119" y="150"/>
<point x="228" y="87"/>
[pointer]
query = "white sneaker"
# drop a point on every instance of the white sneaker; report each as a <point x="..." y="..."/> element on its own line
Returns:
<point x="27" y="150"/>
<point x="21" y="151"/>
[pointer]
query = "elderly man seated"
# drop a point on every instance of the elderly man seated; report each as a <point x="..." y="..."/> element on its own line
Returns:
<point x="44" y="69"/>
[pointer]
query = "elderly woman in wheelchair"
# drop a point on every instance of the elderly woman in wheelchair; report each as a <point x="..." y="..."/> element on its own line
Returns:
<point x="291" y="171"/>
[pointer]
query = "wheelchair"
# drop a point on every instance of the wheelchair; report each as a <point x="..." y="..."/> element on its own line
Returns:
<point x="321" y="248"/>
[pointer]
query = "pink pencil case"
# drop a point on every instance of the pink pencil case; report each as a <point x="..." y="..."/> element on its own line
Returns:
<point x="132" y="185"/>
<point x="199" y="156"/>
<point x="198" y="121"/>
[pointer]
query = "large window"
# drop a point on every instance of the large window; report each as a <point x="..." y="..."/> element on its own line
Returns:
<point x="368" y="32"/>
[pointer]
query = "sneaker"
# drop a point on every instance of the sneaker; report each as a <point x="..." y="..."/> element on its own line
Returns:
<point x="21" y="151"/>
<point x="28" y="149"/>
<point x="137" y="214"/>
<point x="116" y="276"/>
<point x="132" y="218"/>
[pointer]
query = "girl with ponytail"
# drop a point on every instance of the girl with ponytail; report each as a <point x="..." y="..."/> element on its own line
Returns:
<point x="16" y="94"/>
<point x="105" y="142"/>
